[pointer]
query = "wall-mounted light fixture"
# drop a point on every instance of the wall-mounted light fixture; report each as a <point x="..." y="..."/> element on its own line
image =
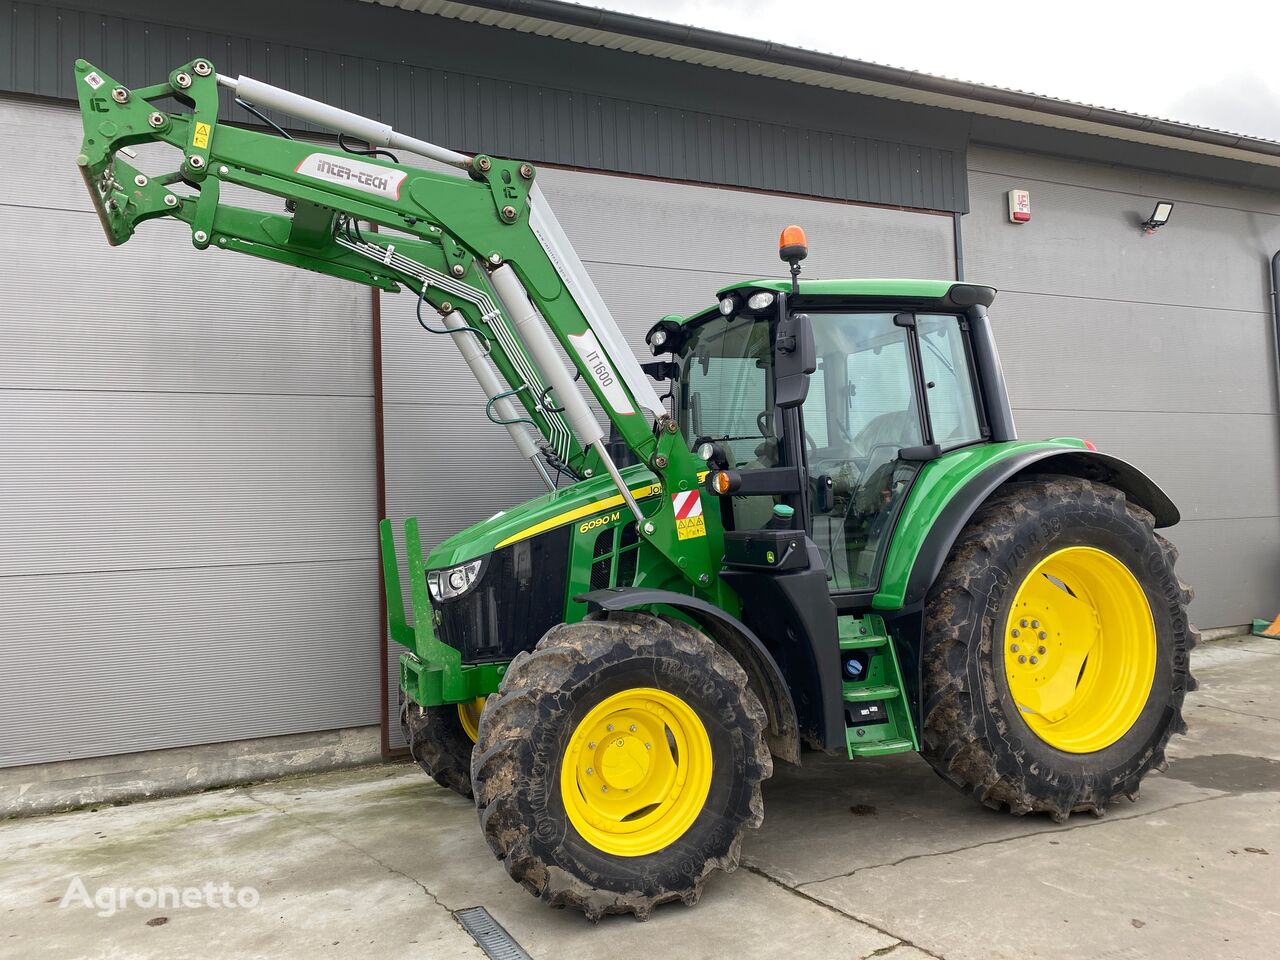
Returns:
<point x="1159" y="217"/>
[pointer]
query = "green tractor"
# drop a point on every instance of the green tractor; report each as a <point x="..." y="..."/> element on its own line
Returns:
<point x="826" y="533"/>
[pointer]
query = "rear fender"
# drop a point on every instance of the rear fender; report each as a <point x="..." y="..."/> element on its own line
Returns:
<point x="1085" y="464"/>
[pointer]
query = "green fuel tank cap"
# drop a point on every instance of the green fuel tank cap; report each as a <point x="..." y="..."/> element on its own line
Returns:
<point x="783" y="512"/>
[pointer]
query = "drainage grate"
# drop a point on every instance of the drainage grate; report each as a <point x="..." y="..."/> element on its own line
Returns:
<point x="489" y="934"/>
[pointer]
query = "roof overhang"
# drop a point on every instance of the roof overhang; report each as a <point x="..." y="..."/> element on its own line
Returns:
<point x="722" y="51"/>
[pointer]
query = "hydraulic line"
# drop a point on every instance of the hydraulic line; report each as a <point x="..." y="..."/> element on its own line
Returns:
<point x="498" y="399"/>
<point x="533" y="331"/>
<point x="558" y="432"/>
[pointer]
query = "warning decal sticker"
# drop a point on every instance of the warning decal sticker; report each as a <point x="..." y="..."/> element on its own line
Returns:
<point x="689" y="521"/>
<point x="200" y="139"/>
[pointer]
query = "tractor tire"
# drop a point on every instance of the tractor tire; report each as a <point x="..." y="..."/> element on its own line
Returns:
<point x="1056" y="650"/>
<point x="441" y="739"/>
<point x="675" y="721"/>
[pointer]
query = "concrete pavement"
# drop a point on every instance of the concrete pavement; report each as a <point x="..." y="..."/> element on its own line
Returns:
<point x="874" y="858"/>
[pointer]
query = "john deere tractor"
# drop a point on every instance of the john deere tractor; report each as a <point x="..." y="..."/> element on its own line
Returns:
<point x="826" y="534"/>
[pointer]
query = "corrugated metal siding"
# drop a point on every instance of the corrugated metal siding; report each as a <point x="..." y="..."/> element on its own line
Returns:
<point x="652" y="248"/>
<point x="186" y="484"/>
<point x="507" y="117"/>
<point x="1159" y="349"/>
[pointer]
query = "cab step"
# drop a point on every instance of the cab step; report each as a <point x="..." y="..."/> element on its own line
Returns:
<point x="880" y="748"/>
<point x="877" y="715"/>
<point x="859" y="692"/>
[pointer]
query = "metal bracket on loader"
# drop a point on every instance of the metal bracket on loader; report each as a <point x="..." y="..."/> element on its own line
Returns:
<point x="432" y="673"/>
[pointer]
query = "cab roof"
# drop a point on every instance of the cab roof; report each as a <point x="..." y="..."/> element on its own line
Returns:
<point x="936" y="294"/>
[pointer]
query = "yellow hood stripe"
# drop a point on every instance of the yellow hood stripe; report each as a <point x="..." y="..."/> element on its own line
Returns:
<point x="560" y="519"/>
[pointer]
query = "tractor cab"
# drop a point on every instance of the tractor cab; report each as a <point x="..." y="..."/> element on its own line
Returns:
<point x="892" y="382"/>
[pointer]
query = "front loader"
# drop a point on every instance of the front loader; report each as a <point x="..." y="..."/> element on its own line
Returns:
<point x="827" y="534"/>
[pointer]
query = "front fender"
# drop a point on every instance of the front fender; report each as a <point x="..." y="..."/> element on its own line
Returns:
<point x="737" y="640"/>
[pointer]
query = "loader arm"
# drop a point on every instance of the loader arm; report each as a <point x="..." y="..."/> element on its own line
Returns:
<point x="480" y="247"/>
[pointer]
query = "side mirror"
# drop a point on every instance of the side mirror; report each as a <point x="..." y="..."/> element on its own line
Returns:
<point x="794" y="358"/>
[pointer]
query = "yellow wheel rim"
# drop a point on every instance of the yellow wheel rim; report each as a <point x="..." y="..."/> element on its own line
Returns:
<point x="636" y="772"/>
<point x="469" y="715"/>
<point x="1080" y="649"/>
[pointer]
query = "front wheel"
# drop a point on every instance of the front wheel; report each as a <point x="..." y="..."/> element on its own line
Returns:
<point x="441" y="738"/>
<point x="1056" y="652"/>
<point x="619" y="765"/>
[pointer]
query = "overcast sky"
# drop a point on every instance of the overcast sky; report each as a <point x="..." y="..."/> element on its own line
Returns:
<point x="1210" y="63"/>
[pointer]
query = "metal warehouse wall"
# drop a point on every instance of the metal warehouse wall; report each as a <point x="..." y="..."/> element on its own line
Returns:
<point x="652" y="248"/>
<point x="187" y="491"/>
<point x="1159" y="349"/>
<point x="480" y="89"/>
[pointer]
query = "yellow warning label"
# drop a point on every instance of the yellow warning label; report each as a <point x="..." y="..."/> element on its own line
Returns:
<point x="691" y="527"/>
<point x="200" y="139"/>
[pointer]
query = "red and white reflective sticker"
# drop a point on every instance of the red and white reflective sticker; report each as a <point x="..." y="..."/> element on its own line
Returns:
<point x="689" y="521"/>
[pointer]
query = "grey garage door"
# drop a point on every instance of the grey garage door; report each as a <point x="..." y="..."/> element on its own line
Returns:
<point x="187" y="501"/>
<point x="652" y="248"/>
<point x="1159" y="349"/>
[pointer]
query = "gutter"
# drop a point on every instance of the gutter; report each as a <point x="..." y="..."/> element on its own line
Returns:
<point x="1275" y="313"/>
<point x="659" y="31"/>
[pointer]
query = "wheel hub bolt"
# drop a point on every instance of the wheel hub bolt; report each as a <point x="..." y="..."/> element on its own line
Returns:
<point x="648" y="746"/>
<point x="633" y="728"/>
<point x="1042" y="650"/>
<point x="1022" y="659"/>
<point x="1042" y="635"/>
<point x="1035" y="624"/>
<point x="609" y="728"/>
<point x="591" y="771"/>
<point x="1015" y="632"/>
<point x="1013" y="647"/>
<point x="604" y="789"/>
<point x="591" y="745"/>
<point x="1022" y="623"/>
<point x="1035" y="659"/>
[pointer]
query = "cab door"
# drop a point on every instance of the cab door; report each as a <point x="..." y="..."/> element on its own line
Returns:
<point x="892" y="390"/>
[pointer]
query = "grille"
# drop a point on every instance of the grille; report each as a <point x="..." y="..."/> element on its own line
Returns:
<point x="518" y="597"/>
<point x="614" y="557"/>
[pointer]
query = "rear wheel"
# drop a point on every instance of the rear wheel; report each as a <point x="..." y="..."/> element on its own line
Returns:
<point x="620" y="764"/>
<point x="1056" y="650"/>
<point x="441" y="739"/>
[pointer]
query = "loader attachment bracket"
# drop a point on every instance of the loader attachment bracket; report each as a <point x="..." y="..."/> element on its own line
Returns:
<point x="432" y="673"/>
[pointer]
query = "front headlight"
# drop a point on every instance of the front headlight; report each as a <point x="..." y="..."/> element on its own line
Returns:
<point x="453" y="582"/>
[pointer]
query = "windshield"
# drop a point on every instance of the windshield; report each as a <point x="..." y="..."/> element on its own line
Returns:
<point x="725" y="379"/>
<point x="726" y="395"/>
